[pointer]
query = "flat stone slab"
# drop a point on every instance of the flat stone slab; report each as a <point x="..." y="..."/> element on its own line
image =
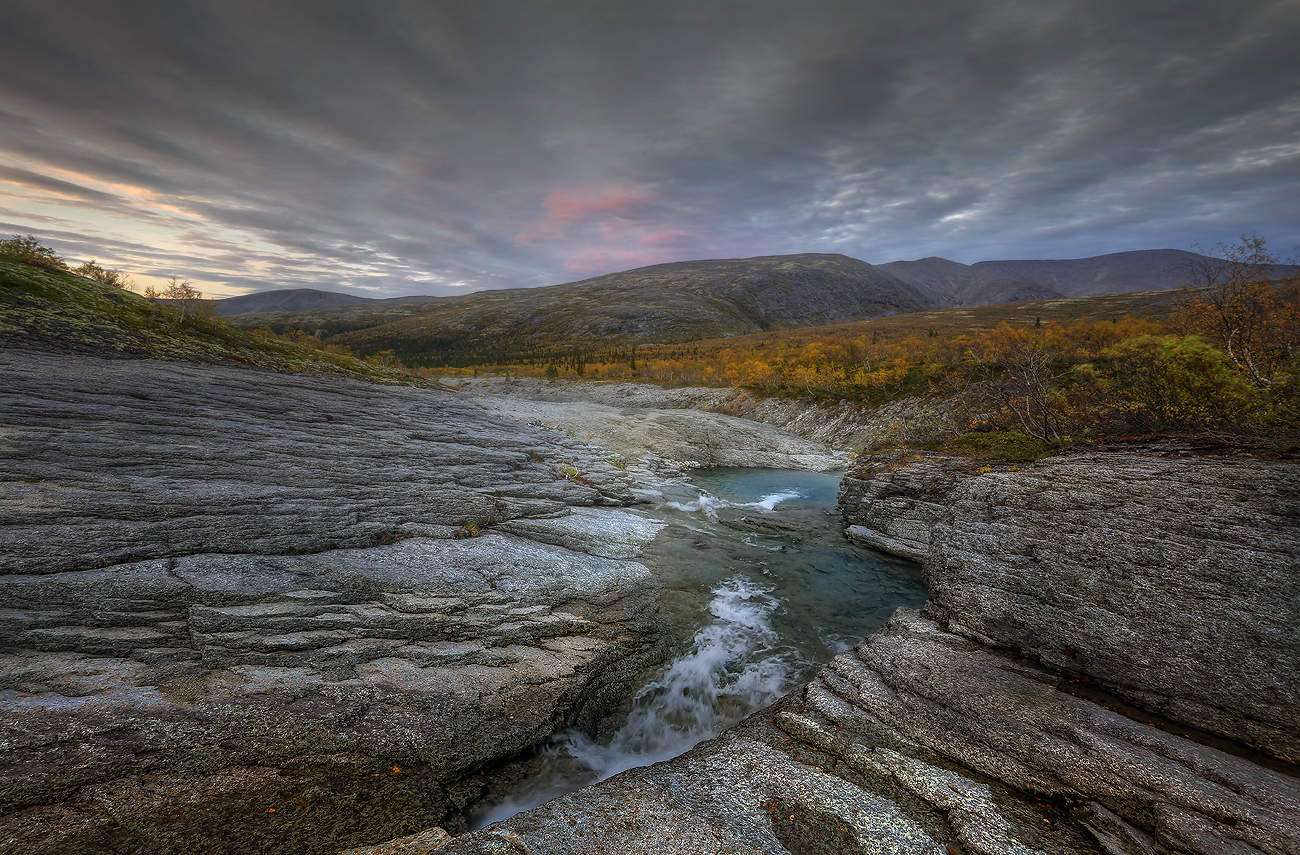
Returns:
<point x="246" y="610"/>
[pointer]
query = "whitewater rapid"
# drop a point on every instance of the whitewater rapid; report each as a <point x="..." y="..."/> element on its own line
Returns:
<point x="736" y="665"/>
<point x="709" y="504"/>
<point x="763" y="586"/>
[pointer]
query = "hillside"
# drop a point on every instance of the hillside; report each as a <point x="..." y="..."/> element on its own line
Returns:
<point x="705" y="361"/>
<point x="674" y="302"/>
<point x="288" y="300"/>
<point x="57" y="310"/>
<point x="969" y="320"/>
<point x="1118" y="272"/>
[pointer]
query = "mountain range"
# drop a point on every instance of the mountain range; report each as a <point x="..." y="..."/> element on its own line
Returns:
<point x="688" y="300"/>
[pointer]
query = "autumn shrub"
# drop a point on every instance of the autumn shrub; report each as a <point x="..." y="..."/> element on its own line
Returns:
<point x="28" y="250"/>
<point x="1175" y="382"/>
<point x="1021" y="372"/>
<point x="104" y="276"/>
<point x="999" y="445"/>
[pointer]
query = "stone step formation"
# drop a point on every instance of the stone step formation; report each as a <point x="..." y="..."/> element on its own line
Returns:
<point x="249" y="611"/>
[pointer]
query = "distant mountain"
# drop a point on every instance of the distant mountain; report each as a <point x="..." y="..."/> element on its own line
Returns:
<point x="984" y="282"/>
<point x="1006" y="289"/>
<point x="673" y="302"/>
<point x="288" y="300"/>
<point x="1116" y="273"/>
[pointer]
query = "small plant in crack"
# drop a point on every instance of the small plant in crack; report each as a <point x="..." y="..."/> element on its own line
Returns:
<point x="474" y="527"/>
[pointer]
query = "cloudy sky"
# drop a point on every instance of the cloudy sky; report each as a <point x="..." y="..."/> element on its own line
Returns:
<point x="391" y="148"/>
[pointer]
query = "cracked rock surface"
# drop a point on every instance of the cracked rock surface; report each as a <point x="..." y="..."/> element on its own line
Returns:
<point x="1106" y="665"/>
<point x="256" y="612"/>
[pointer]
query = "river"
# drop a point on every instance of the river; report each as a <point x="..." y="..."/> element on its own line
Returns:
<point x="760" y="587"/>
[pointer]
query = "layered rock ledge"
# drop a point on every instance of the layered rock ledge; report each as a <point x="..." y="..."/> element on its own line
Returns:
<point x="1106" y="665"/>
<point x="667" y="430"/>
<point x="257" y="612"/>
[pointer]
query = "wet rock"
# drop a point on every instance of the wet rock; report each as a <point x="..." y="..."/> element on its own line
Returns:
<point x="420" y="843"/>
<point x="247" y="611"/>
<point x="893" y="502"/>
<point x="609" y="534"/>
<point x="1110" y="638"/>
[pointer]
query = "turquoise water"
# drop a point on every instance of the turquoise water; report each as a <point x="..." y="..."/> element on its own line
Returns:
<point x="782" y="531"/>
<point x="760" y="588"/>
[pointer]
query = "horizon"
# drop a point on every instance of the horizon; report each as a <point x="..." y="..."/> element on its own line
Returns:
<point x="434" y="150"/>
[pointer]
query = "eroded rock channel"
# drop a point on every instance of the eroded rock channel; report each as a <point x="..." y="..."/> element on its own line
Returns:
<point x="254" y="612"/>
<point x="759" y="587"/>
<point x="248" y="611"/>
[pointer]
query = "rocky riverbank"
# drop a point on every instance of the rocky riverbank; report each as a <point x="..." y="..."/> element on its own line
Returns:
<point x="843" y="426"/>
<point x="248" y="611"/>
<point x="667" y="430"/>
<point x="1106" y="665"/>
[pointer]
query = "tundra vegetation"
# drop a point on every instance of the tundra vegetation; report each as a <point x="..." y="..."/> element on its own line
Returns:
<point x="1218" y="358"/>
<point x="44" y="301"/>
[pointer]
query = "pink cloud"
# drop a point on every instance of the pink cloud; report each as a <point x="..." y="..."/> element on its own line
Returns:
<point x="604" y="228"/>
<point x="628" y="245"/>
<point x="567" y="205"/>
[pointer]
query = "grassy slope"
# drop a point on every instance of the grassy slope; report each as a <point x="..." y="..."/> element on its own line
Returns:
<point x="57" y="310"/>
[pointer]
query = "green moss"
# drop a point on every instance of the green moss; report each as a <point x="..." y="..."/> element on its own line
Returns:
<point x="998" y="445"/>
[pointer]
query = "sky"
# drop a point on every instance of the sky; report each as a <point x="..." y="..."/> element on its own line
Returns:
<point x="388" y="148"/>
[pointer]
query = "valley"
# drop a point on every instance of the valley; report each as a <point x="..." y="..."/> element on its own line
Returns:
<point x="686" y="301"/>
<point x="673" y="428"/>
<point x="290" y="600"/>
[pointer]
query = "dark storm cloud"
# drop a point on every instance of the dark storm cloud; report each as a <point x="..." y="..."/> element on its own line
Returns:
<point x="423" y="147"/>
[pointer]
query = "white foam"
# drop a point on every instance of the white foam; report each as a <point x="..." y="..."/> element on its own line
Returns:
<point x="705" y="503"/>
<point x="733" y="668"/>
<point x="771" y="500"/>
<point x="709" y="504"/>
<point x="701" y="692"/>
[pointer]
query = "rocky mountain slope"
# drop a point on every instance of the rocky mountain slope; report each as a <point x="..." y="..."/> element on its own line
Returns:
<point x="700" y="299"/>
<point x="1104" y="666"/>
<point x="287" y="300"/>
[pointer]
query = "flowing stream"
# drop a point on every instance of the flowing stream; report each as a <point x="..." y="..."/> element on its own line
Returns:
<point x="761" y="587"/>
